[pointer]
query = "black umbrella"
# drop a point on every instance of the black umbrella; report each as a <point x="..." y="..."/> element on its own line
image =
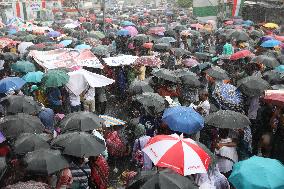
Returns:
<point x="81" y="121"/>
<point x="190" y="80"/>
<point x="165" y="74"/>
<point x="45" y="161"/>
<point x="179" y="52"/>
<point x="162" y="47"/>
<point x="179" y="28"/>
<point x="217" y="73"/>
<point x="273" y="76"/>
<point x="142" y="38"/>
<point x="3" y="166"/>
<point x="202" y="56"/>
<point x="28" y="142"/>
<point x="269" y="62"/>
<point x="253" y="86"/>
<point x="227" y="119"/>
<point x="79" y="144"/>
<point x="20" y="104"/>
<point x="170" y="33"/>
<point x="256" y="33"/>
<point x="151" y="101"/>
<point x="165" y="179"/>
<point x="139" y="87"/>
<point x="240" y="35"/>
<point x="14" y="125"/>
<point x="10" y="56"/>
<point x="281" y="59"/>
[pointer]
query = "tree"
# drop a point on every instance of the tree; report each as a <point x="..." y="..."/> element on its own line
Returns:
<point x="184" y="3"/>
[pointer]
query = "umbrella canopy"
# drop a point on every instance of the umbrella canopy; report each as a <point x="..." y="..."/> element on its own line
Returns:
<point x="23" y="66"/>
<point x="11" y="83"/>
<point x="275" y="99"/>
<point x="151" y="100"/>
<point x="270" y="43"/>
<point x="45" y="161"/>
<point x="81" y="79"/>
<point x="82" y="47"/>
<point x="273" y="77"/>
<point x="165" y="179"/>
<point x="66" y="42"/>
<point x="162" y="47"/>
<point x="148" y="61"/>
<point x="54" y="34"/>
<point x="28" y="142"/>
<point x="157" y="30"/>
<point x="240" y="35"/>
<point x="268" y="175"/>
<point x="79" y="144"/>
<point x="111" y="121"/>
<point x="240" y="54"/>
<point x="165" y="74"/>
<point x="271" y="25"/>
<point x="253" y="86"/>
<point x="132" y="30"/>
<point x="123" y="32"/>
<point x="269" y="62"/>
<point x="190" y="80"/>
<point x="139" y="87"/>
<point x="28" y="185"/>
<point x="3" y="166"/>
<point x="127" y="23"/>
<point x="190" y="62"/>
<point x="217" y="73"/>
<point x="101" y="50"/>
<point x="55" y="78"/>
<point x="10" y="56"/>
<point x="184" y="156"/>
<point x="81" y="121"/>
<point x="166" y="40"/>
<point x="227" y="119"/>
<point x="256" y="33"/>
<point x="141" y="37"/>
<point x="14" y="125"/>
<point x="97" y="34"/>
<point x="280" y="68"/>
<point x="20" y="104"/>
<point x="183" y="119"/>
<point x="33" y="77"/>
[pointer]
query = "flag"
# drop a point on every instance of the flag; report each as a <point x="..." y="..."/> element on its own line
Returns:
<point x="205" y="9"/>
<point x="237" y="5"/>
<point x="20" y="9"/>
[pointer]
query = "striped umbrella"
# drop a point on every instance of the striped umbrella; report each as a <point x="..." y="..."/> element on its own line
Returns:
<point x="111" y="121"/>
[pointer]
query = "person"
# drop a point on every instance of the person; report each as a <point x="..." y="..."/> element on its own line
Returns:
<point x="46" y="116"/>
<point x="80" y="173"/>
<point x="89" y="100"/>
<point x="54" y="99"/>
<point x="75" y="102"/>
<point x="65" y="179"/>
<point x="101" y="99"/>
<point x="204" y="106"/>
<point x="99" y="171"/>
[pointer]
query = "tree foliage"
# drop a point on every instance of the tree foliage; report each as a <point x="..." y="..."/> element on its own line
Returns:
<point x="184" y="3"/>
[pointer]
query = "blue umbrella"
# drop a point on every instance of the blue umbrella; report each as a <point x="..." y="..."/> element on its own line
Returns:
<point x="33" y="77"/>
<point x="258" y="173"/>
<point x="66" y="42"/>
<point x="122" y="32"/>
<point x="248" y="22"/>
<point x="127" y="23"/>
<point x="53" y="34"/>
<point x="82" y="47"/>
<point x="12" y="31"/>
<point x="280" y="68"/>
<point x="11" y="83"/>
<point x="183" y="119"/>
<point x="270" y="43"/>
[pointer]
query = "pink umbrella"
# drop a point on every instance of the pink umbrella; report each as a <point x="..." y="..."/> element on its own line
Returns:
<point x="132" y="30"/>
<point x="279" y="38"/>
<point x="190" y="62"/>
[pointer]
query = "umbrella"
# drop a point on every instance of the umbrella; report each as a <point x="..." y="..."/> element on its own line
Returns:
<point x="256" y="33"/>
<point x="10" y="56"/>
<point x="20" y="104"/>
<point x="81" y="121"/>
<point x="228" y="97"/>
<point x="141" y="37"/>
<point x="28" y="185"/>
<point x="183" y="119"/>
<point x="139" y="87"/>
<point x="3" y="166"/>
<point x="269" y="62"/>
<point x="23" y="46"/>
<point x="23" y="66"/>
<point x="217" y="73"/>
<point x="276" y="99"/>
<point x="270" y="43"/>
<point x="28" y="142"/>
<point x="45" y="161"/>
<point x="183" y="155"/>
<point x="123" y="32"/>
<point x="66" y="42"/>
<point x="157" y="30"/>
<point x="162" y="47"/>
<point x="202" y="56"/>
<point x="256" y="173"/>
<point x="111" y="121"/>
<point x="33" y="77"/>
<point x="81" y="79"/>
<point x="272" y="76"/>
<point x="227" y="119"/>
<point x="240" y="54"/>
<point x="132" y="30"/>
<point x="253" y="86"/>
<point x="190" y="62"/>
<point x="28" y="38"/>
<point x="180" y="28"/>
<point x="166" y="40"/>
<point x="97" y="34"/>
<point x="165" y="74"/>
<point x="101" y="50"/>
<point x="170" y="33"/>
<point x="148" y="61"/>
<point x="165" y="179"/>
<point x="82" y="47"/>
<point x="14" y="125"/>
<point x="240" y="35"/>
<point x="11" y="83"/>
<point x="280" y="68"/>
<point x="190" y="80"/>
<point x="53" y="34"/>
<point x="277" y="87"/>
<point x="79" y="144"/>
<point x="127" y="23"/>
<point x="55" y="78"/>
<point x="151" y="100"/>
<point x="271" y="25"/>
<point x="179" y="52"/>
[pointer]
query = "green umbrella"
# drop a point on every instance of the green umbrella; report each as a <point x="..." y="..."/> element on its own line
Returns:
<point x="33" y="77"/>
<point x="101" y="50"/>
<point x="28" y="38"/>
<point x="23" y="66"/>
<point x="55" y="78"/>
<point x="97" y="34"/>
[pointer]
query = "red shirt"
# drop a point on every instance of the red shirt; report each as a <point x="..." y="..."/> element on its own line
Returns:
<point x="100" y="172"/>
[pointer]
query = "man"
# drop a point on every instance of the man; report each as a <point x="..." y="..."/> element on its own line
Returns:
<point x="46" y="116"/>
<point x="89" y="100"/>
<point x="54" y="99"/>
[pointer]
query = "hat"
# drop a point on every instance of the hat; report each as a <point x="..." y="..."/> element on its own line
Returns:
<point x="34" y="88"/>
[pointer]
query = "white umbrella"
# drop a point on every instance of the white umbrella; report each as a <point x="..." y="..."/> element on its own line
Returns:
<point x="81" y="79"/>
<point x="22" y="48"/>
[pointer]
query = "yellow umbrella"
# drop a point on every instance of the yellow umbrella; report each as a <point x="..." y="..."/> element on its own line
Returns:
<point x="271" y="25"/>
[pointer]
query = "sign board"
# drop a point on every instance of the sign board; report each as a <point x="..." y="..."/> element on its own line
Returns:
<point x="35" y="6"/>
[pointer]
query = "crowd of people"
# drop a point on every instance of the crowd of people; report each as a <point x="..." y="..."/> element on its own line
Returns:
<point x="217" y="88"/>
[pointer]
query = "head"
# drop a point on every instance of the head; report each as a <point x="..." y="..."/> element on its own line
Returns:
<point x="223" y="133"/>
<point x="203" y="96"/>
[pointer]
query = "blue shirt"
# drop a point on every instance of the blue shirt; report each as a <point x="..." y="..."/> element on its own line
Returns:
<point x="46" y="116"/>
<point x="54" y="97"/>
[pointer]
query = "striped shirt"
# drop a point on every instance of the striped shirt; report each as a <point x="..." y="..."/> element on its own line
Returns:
<point x="80" y="179"/>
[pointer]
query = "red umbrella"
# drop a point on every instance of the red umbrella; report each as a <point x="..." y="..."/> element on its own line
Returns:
<point x="108" y="20"/>
<point x="148" y="61"/>
<point x="148" y="45"/>
<point x="182" y="155"/>
<point x="275" y="99"/>
<point x="190" y="62"/>
<point x="240" y="54"/>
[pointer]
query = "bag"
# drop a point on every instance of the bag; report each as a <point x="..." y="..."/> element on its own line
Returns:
<point x="115" y="145"/>
<point x="138" y="156"/>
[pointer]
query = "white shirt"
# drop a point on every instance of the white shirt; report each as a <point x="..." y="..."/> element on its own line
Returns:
<point x="90" y="95"/>
<point x="74" y="100"/>
<point x="205" y="105"/>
